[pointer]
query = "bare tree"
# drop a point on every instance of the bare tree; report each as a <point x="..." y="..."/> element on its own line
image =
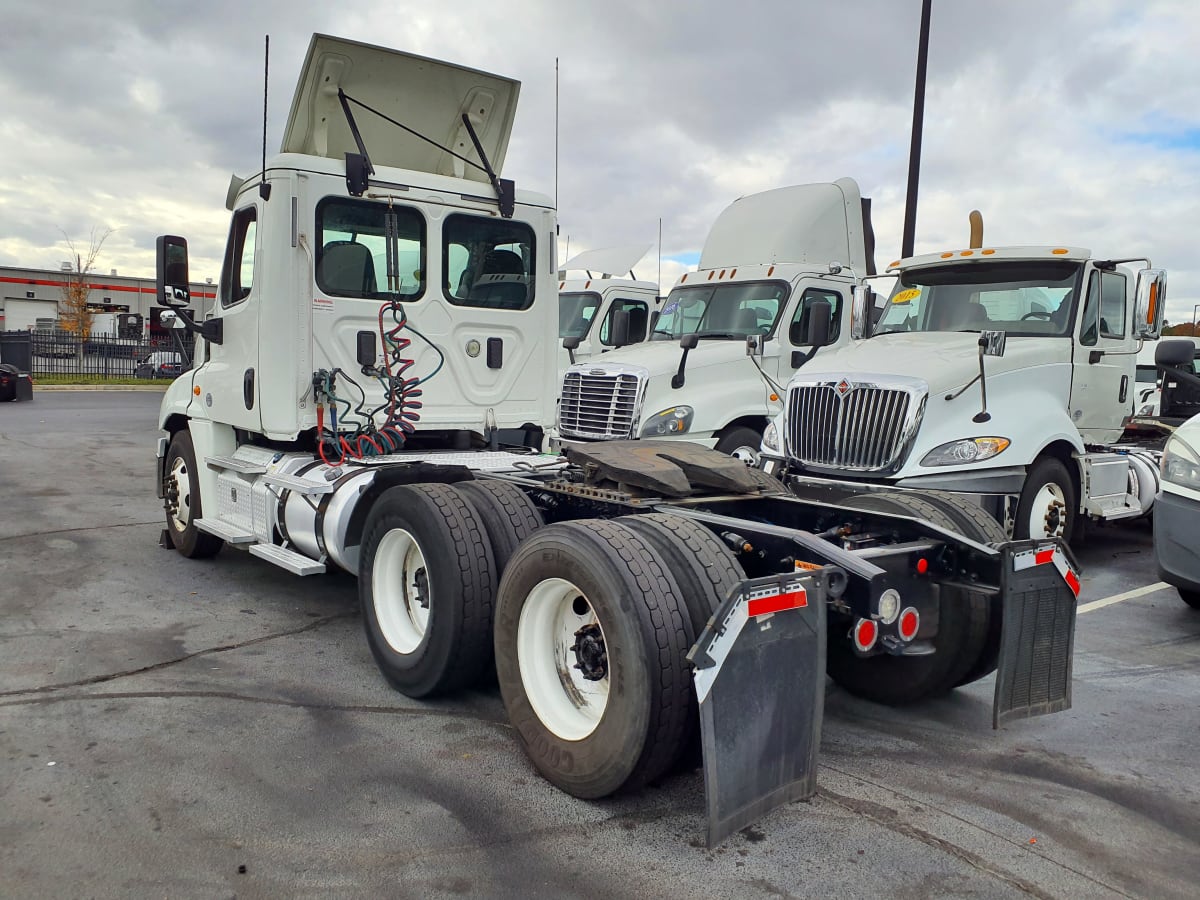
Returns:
<point x="73" y="309"/>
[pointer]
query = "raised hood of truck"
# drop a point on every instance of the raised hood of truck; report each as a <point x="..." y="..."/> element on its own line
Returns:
<point x="426" y="95"/>
<point x="943" y="360"/>
<point x="813" y="224"/>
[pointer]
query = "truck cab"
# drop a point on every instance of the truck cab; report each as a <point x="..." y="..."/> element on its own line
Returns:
<point x="365" y="257"/>
<point x="1006" y="375"/>
<point x="732" y="332"/>
<point x="593" y="302"/>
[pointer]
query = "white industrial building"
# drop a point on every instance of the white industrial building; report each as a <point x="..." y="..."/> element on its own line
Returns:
<point x="30" y="298"/>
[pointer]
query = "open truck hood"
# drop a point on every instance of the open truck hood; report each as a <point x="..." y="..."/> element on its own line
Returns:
<point x="426" y="95"/>
<point x="609" y="261"/>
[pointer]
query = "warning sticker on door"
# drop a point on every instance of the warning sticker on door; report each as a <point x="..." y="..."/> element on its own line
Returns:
<point x="322" y="304"/>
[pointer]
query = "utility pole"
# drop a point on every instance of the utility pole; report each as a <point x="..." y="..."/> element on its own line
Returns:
<point x="914" y="151"/>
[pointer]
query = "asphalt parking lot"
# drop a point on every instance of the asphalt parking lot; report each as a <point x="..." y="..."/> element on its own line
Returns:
<point x="208" y="729"/>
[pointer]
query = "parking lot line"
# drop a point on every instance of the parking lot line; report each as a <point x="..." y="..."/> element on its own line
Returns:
<point x="1117" y="598"/>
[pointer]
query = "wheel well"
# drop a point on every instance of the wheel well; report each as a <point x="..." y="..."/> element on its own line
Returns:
<point x="175" y="423"/>
<point x="1065" y="453"/>
<point x="755" y="423"/>
<point x="420" y="473"/>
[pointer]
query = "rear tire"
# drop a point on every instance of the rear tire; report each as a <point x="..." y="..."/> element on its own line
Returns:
<point x="613" y="714"/>
<point x="427" y="583"/>
<point x="959" y="644"/>
<point x="181" y="500"/>
<point x="507" y="514"/>
<point x="1191" y="598"/>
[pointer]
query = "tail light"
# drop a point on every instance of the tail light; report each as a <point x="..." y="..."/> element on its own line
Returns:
<point x="910" y="621"/>
<point x="866" y="633"/>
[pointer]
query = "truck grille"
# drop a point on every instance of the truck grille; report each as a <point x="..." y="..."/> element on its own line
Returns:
<point x="863" y="428"/>
<point x="599" y="406"/>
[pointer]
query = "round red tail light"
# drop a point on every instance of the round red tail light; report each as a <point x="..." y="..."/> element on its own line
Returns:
<point x="910" y="621"/>
<point x="866" y="632"/>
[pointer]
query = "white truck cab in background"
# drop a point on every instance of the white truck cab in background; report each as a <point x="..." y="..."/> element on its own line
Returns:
<point x="591" y="307"/>
<point x="732" y="332"/>
<point x="1054" y="334"/>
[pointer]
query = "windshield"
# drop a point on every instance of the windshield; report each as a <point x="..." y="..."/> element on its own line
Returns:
<point x="1020" y="298"/>
<point x="728" y="311"/>
<point x="575" y="313"/>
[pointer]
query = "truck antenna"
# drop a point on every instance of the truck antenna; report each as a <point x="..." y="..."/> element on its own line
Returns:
<point x="556" y="136"/>
<point x="660" y="254"/>
<point x="264" y="189"/>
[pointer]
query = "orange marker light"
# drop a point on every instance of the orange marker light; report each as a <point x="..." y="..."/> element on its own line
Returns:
<point x="967" y="253"/>
<point x="1060" y="251"/>
<point x="947" y="255"/>
<point x="987" y="252"/>
<point x="770" y="271"/>
<point x="196" y="390"/>
<point x="683" y="279"/>
<point x="734" y="272"/>
<point x="774" y="397"/>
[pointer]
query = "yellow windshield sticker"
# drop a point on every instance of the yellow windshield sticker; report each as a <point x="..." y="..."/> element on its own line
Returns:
<point x="906" y="296"/>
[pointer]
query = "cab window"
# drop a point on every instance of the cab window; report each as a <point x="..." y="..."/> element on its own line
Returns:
<point x="1112" y="305"/>
<point x="798" y="332"/>
<point x="487" y="263"/>
<point x="639" y="320"/>
<point x="353" y="249"/>
<point x="575" y="313"/>
<point x="237" y="272"/>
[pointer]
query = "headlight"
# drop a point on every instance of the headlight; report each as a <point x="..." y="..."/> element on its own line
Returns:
<point x="967" y="450"/>
<point x="676" y="420"/>
<point x="1181" y="464"/>
<point x="770" y="439"/>
<point x="1147" y="410"/>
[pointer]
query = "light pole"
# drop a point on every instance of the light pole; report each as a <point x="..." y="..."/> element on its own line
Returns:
<point x="914" y="151"/>
<point x="1194" y="308"/>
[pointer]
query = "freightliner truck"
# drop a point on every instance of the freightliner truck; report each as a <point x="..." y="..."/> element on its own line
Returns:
<point x="600" y="309"/>
<point x="368" y="395"/>
<point x="768" y="259"/>
<point x="1005" y="375"/>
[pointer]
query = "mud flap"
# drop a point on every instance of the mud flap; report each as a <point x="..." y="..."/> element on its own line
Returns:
<point x="1039" y="587"/>
<point x="760" y="682"/>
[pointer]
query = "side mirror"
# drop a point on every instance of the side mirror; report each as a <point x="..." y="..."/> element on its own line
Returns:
<point x="1150" y="303"/>
<point x="572" y="342"/>
<point x="172" y="271"/>
<point x="618" y="327"/>
<point x="860" y="312"/>
<point x="991" y="343"/>
<point x="820" y="320"/>
<point x="689" y="341"/>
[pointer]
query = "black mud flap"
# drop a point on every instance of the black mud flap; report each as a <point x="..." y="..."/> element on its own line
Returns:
<point x="760" y="681"/>
<point x="1040" y="587"/>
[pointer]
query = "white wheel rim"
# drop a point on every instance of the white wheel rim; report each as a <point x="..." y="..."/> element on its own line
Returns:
<point x="398" y="578"/>
<point x="568" y="704"/>
<point x="1049" y="504"/>
<point x="182" y="481"/>
<point x="748" y="455"/>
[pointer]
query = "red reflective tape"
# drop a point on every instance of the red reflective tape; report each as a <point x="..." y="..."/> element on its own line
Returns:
<point x="1043" y="556"/>
<point x="1072" y="582"/>
<point x="760" y="606"/>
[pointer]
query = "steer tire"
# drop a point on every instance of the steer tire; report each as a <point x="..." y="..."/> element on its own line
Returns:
<point x="964" y="621"/>
<point x="507" y="514"/>
<point x="445" y="644"/>
<point x="745" y="440"/>
<point x="183" y="482"/>
<point x="611" y="577"/>
<point x="1046" y="472"/>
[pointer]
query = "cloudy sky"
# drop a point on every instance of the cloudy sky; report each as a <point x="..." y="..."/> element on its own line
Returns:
<point x="1075" y="122"/>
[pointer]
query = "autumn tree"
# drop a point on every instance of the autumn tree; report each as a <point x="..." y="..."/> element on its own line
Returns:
<point x="73" y="315"/>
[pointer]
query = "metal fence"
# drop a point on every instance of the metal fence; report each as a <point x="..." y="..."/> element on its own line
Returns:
<point x="54" y="354"/>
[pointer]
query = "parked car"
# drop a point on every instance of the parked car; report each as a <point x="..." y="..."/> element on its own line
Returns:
<point x="1177" y="513"/>
<point x="160" y="364"/>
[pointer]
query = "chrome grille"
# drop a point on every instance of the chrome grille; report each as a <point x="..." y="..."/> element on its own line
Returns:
<point x="866" y="430"/>
<point x="599" y="406"/>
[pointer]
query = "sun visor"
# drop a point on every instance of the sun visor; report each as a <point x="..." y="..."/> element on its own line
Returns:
<point x="427" y="95"/>
<point x="806" y="223"/>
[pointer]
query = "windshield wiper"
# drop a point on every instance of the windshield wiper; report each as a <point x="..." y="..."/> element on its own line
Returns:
<point x="721" y="335"/>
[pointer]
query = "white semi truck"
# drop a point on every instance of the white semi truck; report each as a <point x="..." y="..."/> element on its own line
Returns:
<point x="600" y="309"/>
<point x="767" y="260"/>
<point x="368" y="396"/>
<point x="1005" y="375"/>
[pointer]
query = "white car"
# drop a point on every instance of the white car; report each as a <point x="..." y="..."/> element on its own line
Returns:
<point x="1177" y="513"/>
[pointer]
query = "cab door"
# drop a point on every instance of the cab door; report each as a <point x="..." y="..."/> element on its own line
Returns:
<point x="1102" y="392"/>
<point x="794" y="328"/>
<point x="229" y="379"/>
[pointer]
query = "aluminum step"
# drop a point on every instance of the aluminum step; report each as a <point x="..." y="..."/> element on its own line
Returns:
<point x="299" y="485"/>
<point x="294" y="562"/>
<point x="230" y="534"/>
<point x="244" y="466"/>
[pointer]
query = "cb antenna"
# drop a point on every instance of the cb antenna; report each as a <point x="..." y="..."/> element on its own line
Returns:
<point x="556" y="136"/>
<point x="264" y="189"/>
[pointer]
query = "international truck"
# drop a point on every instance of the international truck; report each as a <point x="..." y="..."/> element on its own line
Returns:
<point x="605" y="306"/>
<point x="1004" y="375"/>
<point x="767" y="260"/>
<point x="368" y="396"/>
